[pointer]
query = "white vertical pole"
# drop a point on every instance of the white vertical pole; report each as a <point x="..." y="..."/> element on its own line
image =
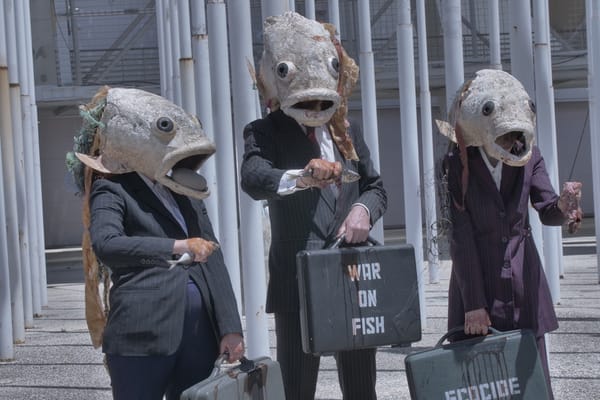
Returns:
<point x="309" y="9"/>
<point x="16" y="139"/>
<point x="186" y="62"/>
<point x="292" y="5"/>
<point x="175" y="52"/>
<point x="521" y="66"/>
<point x="251" y="227"/>
<point x="494" y="35"/>
<point x="410" y="144"/>
<point x="274" y="7"/>
<point x="429" y="189"/>
<point x="368" y="95"/>
<point x="592" y="10"/>
<point x="162" y="57"/>
<point x="453" y="48"/>
<point x="8" y="166"/>
<point x="6" y="323"/>
<point x="24" y="169"/>
<point x="37" y="197"/>
<point x="546" y="127"/>
<point x="521" y="48"/>
<point x="225" y="156"/>
<point x="333" y="10"/>
<point x="168" y="53"/>
<point x="204" y="104"/>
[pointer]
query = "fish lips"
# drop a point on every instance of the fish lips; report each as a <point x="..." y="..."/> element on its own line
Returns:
<point x="512" y="147"/>
<point x="183" y="167"/>
<point x="312" y="107"/>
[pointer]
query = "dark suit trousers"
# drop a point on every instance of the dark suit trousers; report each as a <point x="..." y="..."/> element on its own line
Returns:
<point x="356" y="368"/>
<point x="150" y="377"/>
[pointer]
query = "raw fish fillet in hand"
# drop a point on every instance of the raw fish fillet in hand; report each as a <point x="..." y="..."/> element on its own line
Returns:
<point x="569" y="203"/>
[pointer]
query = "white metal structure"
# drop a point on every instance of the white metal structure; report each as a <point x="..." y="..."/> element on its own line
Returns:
<point x="77" y="72"/>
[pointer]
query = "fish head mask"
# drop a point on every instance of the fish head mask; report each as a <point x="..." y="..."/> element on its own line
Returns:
<point x="143" y="132"/>
<point x="493" y="110"/>
<point x="299" y="69"/>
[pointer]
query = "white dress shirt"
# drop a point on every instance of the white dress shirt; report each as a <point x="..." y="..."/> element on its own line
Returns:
<point x="495" y="171"/>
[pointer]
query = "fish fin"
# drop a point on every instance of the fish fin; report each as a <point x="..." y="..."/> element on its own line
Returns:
<point x="252" y="71"/>
<point x="94" y="163"/>
<point x="446" y="129"/>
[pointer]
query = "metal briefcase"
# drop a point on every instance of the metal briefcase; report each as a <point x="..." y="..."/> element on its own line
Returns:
<point x="501" y="365"/>
<point x="258" y="379"/>
<point x="358" y="297"/>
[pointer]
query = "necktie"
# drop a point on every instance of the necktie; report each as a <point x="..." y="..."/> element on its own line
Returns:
<point x="310" y="134"/>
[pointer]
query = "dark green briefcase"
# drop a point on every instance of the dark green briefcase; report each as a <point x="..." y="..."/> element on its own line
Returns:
<point x="501" y="365"/>
<point x="358" y="297"/>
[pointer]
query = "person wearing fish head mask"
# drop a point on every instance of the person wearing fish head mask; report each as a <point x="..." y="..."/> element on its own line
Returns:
<point x="493" y="175"/>
<point x="171" y="309"/>
<point x="314" y="170"/>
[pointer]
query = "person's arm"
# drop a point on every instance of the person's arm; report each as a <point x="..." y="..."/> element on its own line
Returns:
<point x="372" y="193"/>
<point x="372" y="200"/>
<point x="110" y="241"/>
<point x="543" y="196"/>
<point x="259" y="177"/>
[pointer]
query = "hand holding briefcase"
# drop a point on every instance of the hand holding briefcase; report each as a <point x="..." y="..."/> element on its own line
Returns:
<point x="258" y="379"/>
<point x="358" y="297"/>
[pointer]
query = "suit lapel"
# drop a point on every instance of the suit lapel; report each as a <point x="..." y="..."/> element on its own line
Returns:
<point x="145" y="195"/>
<point x="484" y="177"/>
<point x="187" y="211"/>
<point x="512" y="181"/>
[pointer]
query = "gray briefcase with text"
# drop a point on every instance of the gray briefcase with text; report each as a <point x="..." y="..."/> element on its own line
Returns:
<point x="501" y="365"/>
<point x="358" y="297"/>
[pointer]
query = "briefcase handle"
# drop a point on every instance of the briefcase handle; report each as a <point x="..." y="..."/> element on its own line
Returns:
<point x="338" y="241"/>
<point x="246" y="365"/>
<point x="460" y="329"/>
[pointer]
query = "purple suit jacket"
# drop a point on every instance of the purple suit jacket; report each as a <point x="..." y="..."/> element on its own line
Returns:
<point x="495" y="263"/>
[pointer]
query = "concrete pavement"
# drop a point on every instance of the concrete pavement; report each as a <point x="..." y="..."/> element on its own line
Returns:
<point x="57" y="360"/>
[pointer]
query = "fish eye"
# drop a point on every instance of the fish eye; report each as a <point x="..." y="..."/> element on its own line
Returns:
<point x="487" y="108"/>
<point x="282" y="69"/>
<point x="165" y="124"/>
<point x="532" y="106"/>
<point x="285" y="70"/>
<point x="334" y="66"/>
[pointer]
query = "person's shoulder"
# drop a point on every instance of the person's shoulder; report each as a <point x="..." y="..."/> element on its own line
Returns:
<point x="113" y="181"/>
<point x="452" y="155"/>
<point x="270" y="123"/>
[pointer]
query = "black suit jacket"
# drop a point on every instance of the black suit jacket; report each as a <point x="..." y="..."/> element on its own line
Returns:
<point x="133" y="234"/>
<point x="307" y="219"/>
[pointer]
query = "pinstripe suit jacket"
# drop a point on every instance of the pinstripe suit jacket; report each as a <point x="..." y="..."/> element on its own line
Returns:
<point x="307" y="219"/>
<point x="133" y="234"/>
<point x="495" y="263"/>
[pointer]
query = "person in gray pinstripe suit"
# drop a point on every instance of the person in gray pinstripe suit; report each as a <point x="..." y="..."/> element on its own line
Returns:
<point x="309" y="212"/>
<point x="166" y="326"/>
<point x="172" y="308"/>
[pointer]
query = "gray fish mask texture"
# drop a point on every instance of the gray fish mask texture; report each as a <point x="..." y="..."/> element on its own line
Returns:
<point x="143" y="132"/>
<point x="493" y="110"/>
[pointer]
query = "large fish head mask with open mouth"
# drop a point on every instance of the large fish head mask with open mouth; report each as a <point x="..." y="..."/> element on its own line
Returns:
<point x="493" y="110"/>
<point x="143" y="132"/>
<point x="299" y="72"/>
